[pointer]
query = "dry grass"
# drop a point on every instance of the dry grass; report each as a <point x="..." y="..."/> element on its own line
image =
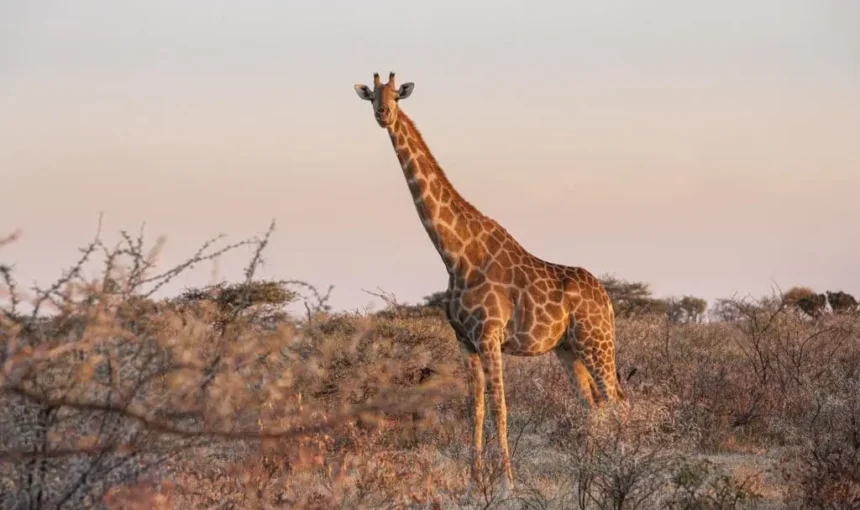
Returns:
<point x="219" y="399"/>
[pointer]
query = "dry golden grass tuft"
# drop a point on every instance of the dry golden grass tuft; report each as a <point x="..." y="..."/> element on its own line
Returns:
<point x="219" y="398"/>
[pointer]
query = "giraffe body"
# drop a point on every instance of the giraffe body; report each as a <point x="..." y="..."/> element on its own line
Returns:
<point x="501" y="298"/>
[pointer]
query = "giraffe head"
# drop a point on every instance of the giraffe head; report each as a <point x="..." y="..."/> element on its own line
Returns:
<point x="384" y="98"/>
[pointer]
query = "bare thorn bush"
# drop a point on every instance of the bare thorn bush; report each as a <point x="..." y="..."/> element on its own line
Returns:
<point x="221" y="397"/>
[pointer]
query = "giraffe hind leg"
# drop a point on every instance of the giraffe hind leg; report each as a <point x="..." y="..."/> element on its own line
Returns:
<point x="580" y="378"/>
<point x="590" y="345"/>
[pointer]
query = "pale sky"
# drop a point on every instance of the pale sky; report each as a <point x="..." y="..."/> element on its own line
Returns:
<point x="708" y="148"/>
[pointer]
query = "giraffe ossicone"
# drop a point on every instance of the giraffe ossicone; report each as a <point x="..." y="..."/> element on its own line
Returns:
<point x="501" y="298"/>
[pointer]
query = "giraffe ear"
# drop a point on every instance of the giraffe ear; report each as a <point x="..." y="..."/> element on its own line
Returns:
<point x="364" y="92"/>
<point x="405" y="90"/>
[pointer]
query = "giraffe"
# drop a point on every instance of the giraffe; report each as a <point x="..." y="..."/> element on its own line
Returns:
<point x="501" y="298"/>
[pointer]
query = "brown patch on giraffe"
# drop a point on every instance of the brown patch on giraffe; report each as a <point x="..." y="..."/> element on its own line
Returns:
<point x="457" y="224"/>
<point x="558" y="329"/>
<point x="542" y="316"/>
<point x="475" y="228"/>
<point x="468" y="271"/>
<point x="450" y="239"/>
<point x="554" y="309"/>
<point x="435" y="188"/>
<point x="502" y="236"/>
<point x="475" y="279"/>
<point x="491" y="301"/>
<point x="484" y="288"/>
<point x="507" y="275"/>
<point x="540" y="295"/>
<point x="492" y="244"/>
<point x="474" y="253"/>
<point x="446" y="216"/>
<point x="586" y="292"/>
<point x="492" y="269"/>
<point x="410" y="144"/>
<point x="539" y="331"/>
<point x="430" y="208"/>
<point x="521" y="279"/>
<point x="446" y="196"/>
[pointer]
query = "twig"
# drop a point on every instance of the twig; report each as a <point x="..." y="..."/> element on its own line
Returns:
<point x="72" y="272"/>
<point x="167" y="276"/>
<point x="257" y="260"/>
<point x="10" y="238"/>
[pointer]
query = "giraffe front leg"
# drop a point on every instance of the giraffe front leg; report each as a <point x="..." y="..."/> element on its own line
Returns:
<point x="475" y="372"/>
<point x="491" y="354"/>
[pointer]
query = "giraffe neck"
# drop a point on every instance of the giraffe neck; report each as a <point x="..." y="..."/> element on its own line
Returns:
<point x="442" y="210"/>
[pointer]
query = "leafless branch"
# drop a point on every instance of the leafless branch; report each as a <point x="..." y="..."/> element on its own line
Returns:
<point x="256" y="259"/>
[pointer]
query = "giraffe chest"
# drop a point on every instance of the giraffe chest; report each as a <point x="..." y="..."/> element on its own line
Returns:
<point x="466" y="321"/>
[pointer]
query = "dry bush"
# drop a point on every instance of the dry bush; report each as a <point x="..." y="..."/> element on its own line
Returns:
<point x="826" y="471"/>
<point x="379" y="457"/>
<point x="220" y="398"/>
<point x="693" y="369"/>
<point x="105" y="385"/>
<point x="747" y="381"/>
<point x="638" y="461"/>
<point x="699" y="486"/>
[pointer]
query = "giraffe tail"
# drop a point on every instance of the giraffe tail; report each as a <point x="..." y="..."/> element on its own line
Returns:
<point x="619" y="392"/>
